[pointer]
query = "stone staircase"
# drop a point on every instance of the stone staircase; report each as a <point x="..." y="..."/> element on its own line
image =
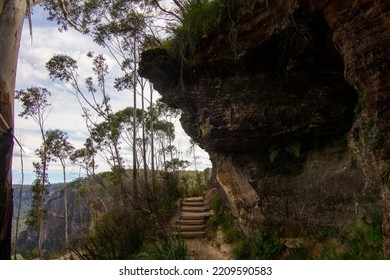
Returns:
<point x="193" y="217"/>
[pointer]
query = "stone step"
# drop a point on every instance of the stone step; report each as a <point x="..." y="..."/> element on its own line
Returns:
<point x="194" y="216"/>
<point x="191" y="228"/>
<point x="192" y="203"/>
<point x="191" y="234"/>
<point x="194" y="209"/>
<point x="193" y="199"/>
<point x="190" y="222"/>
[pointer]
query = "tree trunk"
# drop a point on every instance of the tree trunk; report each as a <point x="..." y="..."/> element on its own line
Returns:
<point x="6" y="194"/>
<point x="65" y="208"/>
<point x="135" y="184"/>
<point x="43" y="194"/>
<point x="20" y="203"/>
<point x="143" y="133"/>
<point x="11" y="23"/>
<point x="152" y="140"/>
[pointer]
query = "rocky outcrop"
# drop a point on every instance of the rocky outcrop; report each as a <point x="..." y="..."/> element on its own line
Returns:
<point x="273" y="103"/>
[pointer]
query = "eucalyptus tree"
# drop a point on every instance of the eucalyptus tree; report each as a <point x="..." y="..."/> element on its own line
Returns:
<point x="94" y="99"/>
<point x="12" y="14"/>
<point x="85" y="158"/>
<point x="167" y="116"/>
<point x="87" y="16"/>
<point x="59" y="148"/>
<point x="35" y="104"/>
<point x="123" y="27"/>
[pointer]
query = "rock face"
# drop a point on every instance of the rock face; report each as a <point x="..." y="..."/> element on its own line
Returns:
<point x="272" y="105"/>
<point x="79" y="215"/>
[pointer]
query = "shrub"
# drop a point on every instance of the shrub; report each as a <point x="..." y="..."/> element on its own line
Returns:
<point x="265" y="246"/>
<point x="168" y="248"/>
<point x="200" y="18"/>
<point x="118" y="234"/>
<point x="366" y="242"/>
<point x="360" y="241"/>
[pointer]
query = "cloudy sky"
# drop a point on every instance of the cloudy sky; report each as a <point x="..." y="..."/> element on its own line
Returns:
<point x="65" y="112"/>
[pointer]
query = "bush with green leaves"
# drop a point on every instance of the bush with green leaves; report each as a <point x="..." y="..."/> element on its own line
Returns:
<point x="117" y="235"/>
<point x="260" y="245"/>
<point x="359" y="241"/>
<point x="135" y="229"/>
<point x="224" y="220"/>
<point x="169" y="247"/>
<point x="201" y="18"/>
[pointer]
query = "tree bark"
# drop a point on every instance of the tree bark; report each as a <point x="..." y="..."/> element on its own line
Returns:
<point x="12" y="14"/>
<point x="143" y="133"/>
<point x="135" y="183"/>
<point x="11" y="22"/>
<point x="152" y="139"/>
<point x="6" y="194"/>
<point x="42" y="195"/>
<point x="20" y="204"/>
<point x="65" y="208"/>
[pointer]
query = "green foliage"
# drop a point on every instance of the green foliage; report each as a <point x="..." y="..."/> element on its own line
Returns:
<point x="194" y="183"/>
<point x="35" y="104"/>
<point x="324" y="235"/>
<point x="36" y="213"/>
<point x="58" y="146"/>
<point x="135" y="230"/>
<point x="168" y="248"/>
<point x="273" y="153"/>
<point x="360" y="241"/>
<point x="329" y="252"/>
<point x="202" y="18"/>
<point x="118" y="234"/>
<point x="260" y="245"/>
<point x="265" y="246"/>
<point x="293" y="148"/>
<point x="284" y="159"/>
<point x="85" y="157"/>
<point x="224" y="220"/>
<point x="62" y="67"/>
<point x="39" y="190"/>
<point x="170" y="191"/>
<point x="34" y="101"/>
<point x="366" y="242"/>
<point x="219" y="208"/>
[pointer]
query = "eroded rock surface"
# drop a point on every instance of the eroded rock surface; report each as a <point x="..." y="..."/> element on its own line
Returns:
<point x="299" y="76"/>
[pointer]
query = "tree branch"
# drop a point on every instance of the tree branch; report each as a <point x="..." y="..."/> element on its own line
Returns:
<point x="179" y="5"/>
<point x="61" y="5"/>
<point x="36" y="2"/>
<point x="166" y="11"/>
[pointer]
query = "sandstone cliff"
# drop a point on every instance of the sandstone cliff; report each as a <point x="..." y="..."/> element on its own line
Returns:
<point x="274" y="103"/>
<point x="80" y="220"/>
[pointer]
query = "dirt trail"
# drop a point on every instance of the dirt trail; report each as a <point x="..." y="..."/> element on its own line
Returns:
<point x="206" y="249"/>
